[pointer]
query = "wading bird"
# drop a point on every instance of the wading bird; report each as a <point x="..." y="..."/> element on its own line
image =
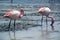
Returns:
<point x="14" y="15"/>
<point x="45" y="11"/>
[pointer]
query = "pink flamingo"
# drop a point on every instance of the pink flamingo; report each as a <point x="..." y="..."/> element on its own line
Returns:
<point x="13" y="15"/>
<point x="46" y="11"/>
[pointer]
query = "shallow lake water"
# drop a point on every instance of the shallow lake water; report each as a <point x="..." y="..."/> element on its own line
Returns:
<point x="34" y="33"/>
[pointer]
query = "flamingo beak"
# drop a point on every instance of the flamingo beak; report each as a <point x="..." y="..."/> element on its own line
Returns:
<point x="21" y="15"/>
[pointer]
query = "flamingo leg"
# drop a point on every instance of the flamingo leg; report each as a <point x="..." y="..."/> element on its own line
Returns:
<point x="42" y="25"/>
<point x="46" y="24"/>
<point x="9" y="29"/>
<point x="14" y="30"/>
<point x="42" y="20"/>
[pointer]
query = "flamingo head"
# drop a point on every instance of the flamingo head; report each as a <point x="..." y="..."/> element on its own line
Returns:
<point x="21" y="12"/>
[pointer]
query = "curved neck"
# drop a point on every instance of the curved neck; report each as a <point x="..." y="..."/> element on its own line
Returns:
<point x="21" y="12"/>
<point x="52" y="20"/>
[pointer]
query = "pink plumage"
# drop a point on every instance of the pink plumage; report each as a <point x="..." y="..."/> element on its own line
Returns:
<point x="14" y="14"/>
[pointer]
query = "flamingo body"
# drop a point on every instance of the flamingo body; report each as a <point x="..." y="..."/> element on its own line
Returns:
<point x="14" y="14"/>
<point x="44" y="10"/>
